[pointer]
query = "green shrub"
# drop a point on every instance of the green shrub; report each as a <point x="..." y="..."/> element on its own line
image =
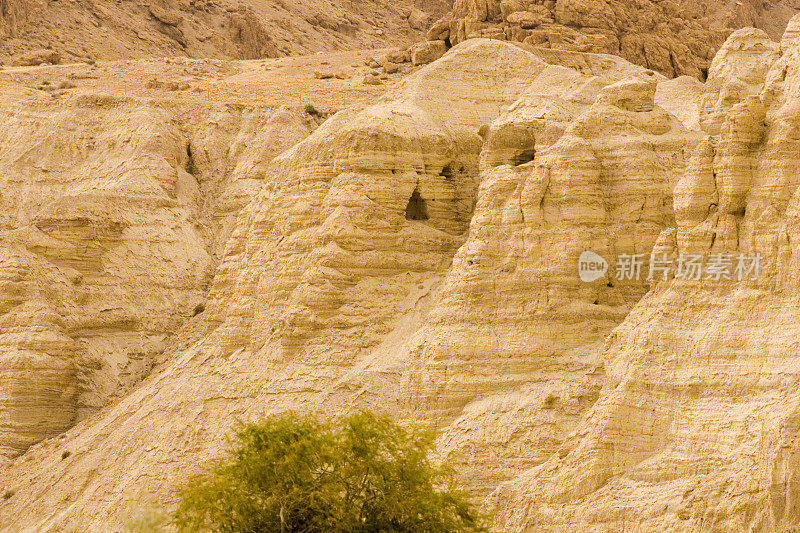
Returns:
<point x="291" y="474"/>
<point x="146" y="517"/>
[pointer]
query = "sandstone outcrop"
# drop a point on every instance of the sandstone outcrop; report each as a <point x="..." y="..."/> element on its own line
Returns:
<point x="115" y="210"/>
<point x="324" y="274"/>
<point x="427" y="52"/>
<point x="696" y="426"/>
<point x="507" y="360"/>
<point x="338" y="289"/>
<point x="117" y="265"/>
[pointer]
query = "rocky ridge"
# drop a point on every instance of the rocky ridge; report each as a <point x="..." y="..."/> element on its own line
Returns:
<point x="98" y="273"/>
<point x="344" y="255"/>
<point x="707" y="368"/>
<point x="673" y="37"/>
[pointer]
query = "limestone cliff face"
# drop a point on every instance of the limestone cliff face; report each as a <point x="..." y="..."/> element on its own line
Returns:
<point x="507" y="359"/>
<point x="101" y="270"/>
<point x="325" y="274"/>
<point x="106" y="248"/>
<point x="373" y="197"/>
<point x="696" y="427"/>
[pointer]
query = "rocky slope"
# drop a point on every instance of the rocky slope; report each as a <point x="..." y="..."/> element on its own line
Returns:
<point x="508" y="358"/>
<point x="322" y="267"/>
<point x="415" y="253"/>
<point x="34" y="31"/>
<point x="120" y="189"/>
<point x="672" y="37"/>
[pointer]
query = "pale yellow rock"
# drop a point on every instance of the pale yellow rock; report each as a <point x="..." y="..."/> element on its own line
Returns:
<point x="427" y="52"/>
<point x="507" y="359"/>
<point x="791" y="35"/>
<point x="696" y="426"/>
<point x="111" y="220"/>
<point x="325" y="276"/>
<point x="416" y="254"/>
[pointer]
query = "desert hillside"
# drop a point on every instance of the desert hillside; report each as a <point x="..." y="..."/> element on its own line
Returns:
<point x="190" y="241"/>
<point x="80" y="30"/>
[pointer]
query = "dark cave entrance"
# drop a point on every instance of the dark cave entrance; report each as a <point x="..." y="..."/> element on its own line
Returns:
<point x="523" y="157"/>
<point x="416" y="208"/>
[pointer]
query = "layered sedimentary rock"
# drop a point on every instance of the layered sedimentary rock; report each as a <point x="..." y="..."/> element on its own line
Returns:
<point x="508" y="356"/>
<point x="696" y="427"/>
<point x="418" y="255"/>
<point x="108" y="238"/>
<point x="114" y="263"/>
<point x="326" y="272"/>
<point x="673" y="38"/>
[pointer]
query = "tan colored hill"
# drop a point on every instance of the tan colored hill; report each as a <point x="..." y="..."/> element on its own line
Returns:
<point x="188" y="242"/>
<point x="130" y="202"/>
<point x="121" y="185"/>
<point x="77" y="30"/>
<point x="696" y="426"/>
<point x="386" y="260"/>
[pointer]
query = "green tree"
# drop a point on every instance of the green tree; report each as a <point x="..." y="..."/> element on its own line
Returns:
<point x="363" y="473"/>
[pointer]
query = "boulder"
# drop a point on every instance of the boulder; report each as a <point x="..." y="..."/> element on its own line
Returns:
<point x="427" y="52"/>
<point x="37" y="57"/>
<point x="418" y="19"/>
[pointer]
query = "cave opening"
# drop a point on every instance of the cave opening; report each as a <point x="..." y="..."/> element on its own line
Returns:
<point x="523" y="157"/>
<point x="447" y="172"/>
<point x="416" y="208"/>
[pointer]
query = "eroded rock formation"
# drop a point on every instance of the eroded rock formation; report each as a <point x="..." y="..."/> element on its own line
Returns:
<point x="110" y="217"/>
<point x="417" y="254"/>
<point x="325" y="271"/>
<point x="673" y="38"/>
<point x="696" y="425"/>
<point x="508" y="356"/>
<point x="657" y="35"/>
